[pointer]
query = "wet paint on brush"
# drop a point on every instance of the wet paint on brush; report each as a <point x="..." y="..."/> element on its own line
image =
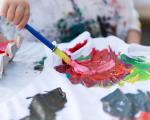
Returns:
<point x="76" y="66"/>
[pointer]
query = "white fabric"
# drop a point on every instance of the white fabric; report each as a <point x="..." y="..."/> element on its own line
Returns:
<point x="83" y="103"/>
<point x="18" y="73"/>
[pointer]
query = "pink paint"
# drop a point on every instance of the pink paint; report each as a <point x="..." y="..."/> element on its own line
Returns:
<point x="86" y="70"/>
<point x="3" y="46"/>
<point x="107" y="66"/>
<point x="79" y="68"/>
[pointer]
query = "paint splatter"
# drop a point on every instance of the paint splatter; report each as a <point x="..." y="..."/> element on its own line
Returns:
<point x="77" y="46"/>
<point x="39" y="65"/>
<point x="128" y="105"/>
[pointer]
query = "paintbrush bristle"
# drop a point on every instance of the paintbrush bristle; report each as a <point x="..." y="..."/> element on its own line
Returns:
<point x="62" y="55"/>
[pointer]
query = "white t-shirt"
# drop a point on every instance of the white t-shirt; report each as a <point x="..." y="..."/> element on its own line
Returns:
<point x="46" y="13"/>
<point x="122" y="13"/>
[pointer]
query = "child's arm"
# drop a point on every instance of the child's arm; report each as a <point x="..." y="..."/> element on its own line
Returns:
<point x="134" y="30"/>
<point x="134" y="36"/>
<point x="16" y="11"/>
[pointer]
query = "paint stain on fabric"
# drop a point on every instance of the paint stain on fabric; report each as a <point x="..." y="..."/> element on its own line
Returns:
<point x="3" y="47"/>
<point x="105" y="68"/>
<point x="77" y="46"/>
<point x="139" y="69"/>
<point x="45" y="106"/>
<point x="136" y="62"/>
<point x="144" y="116"/>
<point x="39" y="65"/>
<point x="125" y="106"/>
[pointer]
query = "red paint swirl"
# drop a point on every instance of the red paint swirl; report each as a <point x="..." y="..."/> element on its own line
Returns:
<point x="105" y="68"/>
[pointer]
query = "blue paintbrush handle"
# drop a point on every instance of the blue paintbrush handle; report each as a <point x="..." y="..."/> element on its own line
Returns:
<point x="40" y="37"/>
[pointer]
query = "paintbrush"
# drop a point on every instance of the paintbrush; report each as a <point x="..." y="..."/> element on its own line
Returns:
<point x="46" y="42"/>
<point x="78" y="68"/>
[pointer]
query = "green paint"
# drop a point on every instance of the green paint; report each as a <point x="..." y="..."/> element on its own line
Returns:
<point x="140" y="70"/>
<point x="81" y="58"/>
<point x="41" y="62"/>
<point x="138" y="63"/>
<point x="138" y="75"/>
<point x="39" y="65"/>
<point x="121" y="105"/>
<point x="68" y="75"/>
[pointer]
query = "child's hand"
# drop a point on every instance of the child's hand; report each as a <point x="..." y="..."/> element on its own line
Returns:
<point x="16" y="11"/>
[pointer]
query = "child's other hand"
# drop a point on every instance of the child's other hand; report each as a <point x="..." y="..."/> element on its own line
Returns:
<point x="16" y="11"/>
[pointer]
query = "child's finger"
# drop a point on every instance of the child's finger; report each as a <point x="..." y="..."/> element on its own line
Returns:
<point x="18" y="15"/>
<point x="4" y="9"/>
<point x="11" y="12"/>
<point x="25" y="19"/>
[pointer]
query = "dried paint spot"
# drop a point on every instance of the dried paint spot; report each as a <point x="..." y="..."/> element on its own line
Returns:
<point x="45" y="106"/>
<point x="128" y="105"/>
<point x="39" y="65"/>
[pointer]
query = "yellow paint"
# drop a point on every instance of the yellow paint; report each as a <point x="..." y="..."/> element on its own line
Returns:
<point x="131" y="70"/>
<point x="134" y="79"/>
<point x="62" y="55"/>
<point x="121" y="83"/>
